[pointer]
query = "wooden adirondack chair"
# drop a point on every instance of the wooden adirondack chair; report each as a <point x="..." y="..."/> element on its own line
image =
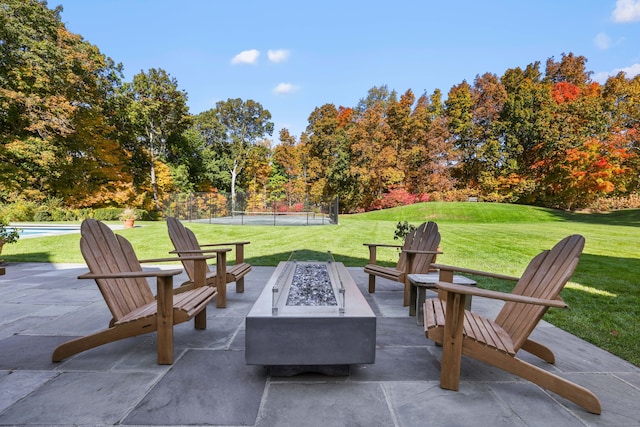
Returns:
<point x="496" y="342"/>
<point x="117" y="271"/>
<point x="418" y="253"/>
<point x="186" y="244"/>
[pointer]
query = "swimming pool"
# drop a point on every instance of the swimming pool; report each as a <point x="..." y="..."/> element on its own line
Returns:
<point x="42" y="230"/>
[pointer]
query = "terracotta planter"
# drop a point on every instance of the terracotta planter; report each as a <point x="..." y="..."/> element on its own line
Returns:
<point x="128" y="223"/>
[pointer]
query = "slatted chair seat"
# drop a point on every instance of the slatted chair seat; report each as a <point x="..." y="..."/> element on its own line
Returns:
<point x="476" y="327"/>
<point x="186" y="244"/>
<point x="237" y="271"/>
<point x="417" y="254"/>
<point x="497" y="342"/>
<point x="384" y="272"/>
<point x="135" y="310"/>
<point x="185" y="306"/>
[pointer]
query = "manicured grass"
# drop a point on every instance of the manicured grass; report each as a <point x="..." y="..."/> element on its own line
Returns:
<point x="604" y="293"/>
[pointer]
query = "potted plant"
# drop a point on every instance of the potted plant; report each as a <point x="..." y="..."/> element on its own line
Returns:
<point x="128" y="216"/>
<point x="7" y="235"/>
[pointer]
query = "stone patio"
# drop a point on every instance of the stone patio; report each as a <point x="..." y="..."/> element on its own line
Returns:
<point x="120" y="383"/>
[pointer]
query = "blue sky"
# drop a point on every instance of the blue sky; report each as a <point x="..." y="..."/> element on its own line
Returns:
<point x="293" y="56"/>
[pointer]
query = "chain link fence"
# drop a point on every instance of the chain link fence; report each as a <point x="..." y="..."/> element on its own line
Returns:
<point x="221" y="208"/>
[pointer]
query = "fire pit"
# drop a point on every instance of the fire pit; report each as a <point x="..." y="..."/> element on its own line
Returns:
<point x="310" y="317"/>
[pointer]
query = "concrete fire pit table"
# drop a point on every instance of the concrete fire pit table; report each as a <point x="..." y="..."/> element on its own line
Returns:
<point x="310" y="317"/>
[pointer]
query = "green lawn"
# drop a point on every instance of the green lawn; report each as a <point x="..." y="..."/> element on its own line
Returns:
<point x="604" y="293"/>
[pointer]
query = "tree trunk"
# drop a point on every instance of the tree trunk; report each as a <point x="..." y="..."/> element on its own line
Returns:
<point x="234" y="174"/>
<point x="154" y="183"/>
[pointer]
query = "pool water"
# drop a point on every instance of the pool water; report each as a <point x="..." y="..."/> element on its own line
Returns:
<point x="27" y="231"/>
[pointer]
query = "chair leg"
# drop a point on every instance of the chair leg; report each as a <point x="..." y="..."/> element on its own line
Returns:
<point x="240" y="285"/>
<point x="372" y="283"/>
<point x="164" y="324"/>
<point x="200" y="319"/>
<point x="452" y="342"/>
<point x="221" y="286"/>
<point x="565" y="388"/>
<point x="221" y="280"/>
<point x="407" y="293"/>
<point x="539" y="350"/>
<point x="413" y="296"/>
<point x="78" y="345"/>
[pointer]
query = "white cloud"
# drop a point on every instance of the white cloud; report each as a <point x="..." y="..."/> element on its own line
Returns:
<point x="626" y="11"/>
<point x="278" y="55"/>
<point x="630" y="72"/>
<point x="285" y="88"/>
<point x="602" y="41"/>
<point x="246" y="57"/>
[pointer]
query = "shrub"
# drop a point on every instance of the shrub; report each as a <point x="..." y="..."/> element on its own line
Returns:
<point x="8" y="235"/>
<point x="19" y="211"/>
<point x="397" y="197"/>
<point x="42" y="216"/>
<point x="631" y="201"/>
<point x="107" y="214"/>
<point x="423" y="197"/>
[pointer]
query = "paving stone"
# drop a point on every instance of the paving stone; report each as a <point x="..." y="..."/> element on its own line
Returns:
<point x="325" y="404"/>
<point x="81" y="398"/>
<point x="222" y="390"/>
<point x="27" y="352"/>
<point x="15" y="385"/>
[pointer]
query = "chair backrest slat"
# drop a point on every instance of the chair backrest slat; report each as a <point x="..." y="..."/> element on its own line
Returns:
<point x="184" y="239"/>
<point x="104" y="252"/>
<point x="424" y="238"/>
<point x="544" y="277"/>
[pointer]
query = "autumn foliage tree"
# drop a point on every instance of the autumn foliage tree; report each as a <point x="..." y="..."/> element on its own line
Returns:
<point x="594" y="169"/>
<point x="54" y="126"/>
<point x="545" y="136"/>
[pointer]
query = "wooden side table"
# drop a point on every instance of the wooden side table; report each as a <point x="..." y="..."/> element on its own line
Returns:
<point x="418" y="292"/>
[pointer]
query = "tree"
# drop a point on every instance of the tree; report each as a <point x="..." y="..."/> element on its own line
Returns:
<point x="372" y="166"/>
<point x="376" y="96"/>
<point x="524" y="129"/>
<point x="622" y="102"/>
<point x="570" y="69"/>
<point x="430" y="160"/>
<point x="244" y="123"/>
<point x="258" y="173"/>
<point x="157" y="111"/>
<point x="403" y="131"/>
<point x="459" y="113"/>
<point x="54" y="98"/>
<point x="583" y="173"/>
<point x="287" y="160"/>
<point x="489" y="96"/>
<point x="213" y="151"/>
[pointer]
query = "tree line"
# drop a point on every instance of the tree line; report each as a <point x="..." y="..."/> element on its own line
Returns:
<point x="72" y="129"/>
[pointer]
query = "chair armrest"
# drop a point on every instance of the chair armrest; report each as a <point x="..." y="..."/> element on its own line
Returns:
<point x="373" y="247"/>
<point x="199" y="251"/>
<point x="129" y="274"/>
<point x="188" y="258"/>
<point x="475" y="272"/>
<point x="382" y="245"/>
<point x="414" y="251"/>
<point x="239" y="255"/>
<point x="486" y="293"/>
<point x="224" y="244"/>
